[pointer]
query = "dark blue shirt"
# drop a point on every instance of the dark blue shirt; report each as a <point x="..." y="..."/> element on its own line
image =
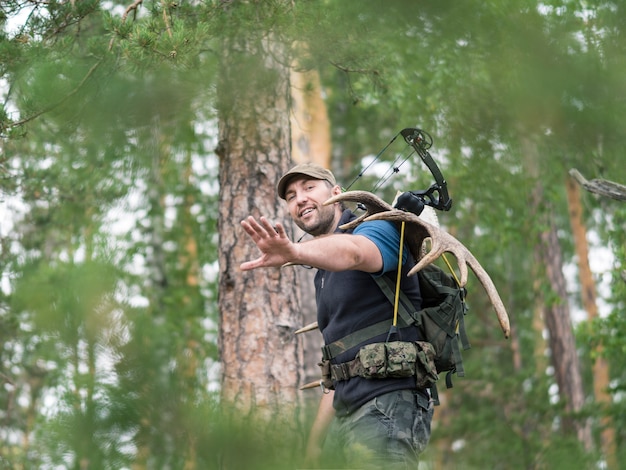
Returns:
<point x="348" y="301"/>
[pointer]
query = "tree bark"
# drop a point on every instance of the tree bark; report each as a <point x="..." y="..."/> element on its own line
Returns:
<point x="310" y="142"/>
<point x="600" y="186"/>
<point x="588" y="293"/>
<point x="556" y="311"/>
<point x="259" y="310"/>
<point x="561" y="339"/>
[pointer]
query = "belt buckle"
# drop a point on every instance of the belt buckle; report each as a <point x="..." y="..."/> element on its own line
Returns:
<point x="345" y="371"/>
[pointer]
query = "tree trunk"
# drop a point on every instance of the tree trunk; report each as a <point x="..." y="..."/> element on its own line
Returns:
<point x="188" y="355"/>
<point x="556" y="311"/>
<point x="310" y="126"/>
<point x="588" y="292"/>
<point x="561" y="339"/>
<point x="156" y="272"/>
<point x="310" y="142"/>
<point x="259" y="310"/>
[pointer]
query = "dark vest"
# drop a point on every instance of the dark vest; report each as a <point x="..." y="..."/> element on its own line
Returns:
<point x="348" y="301"/>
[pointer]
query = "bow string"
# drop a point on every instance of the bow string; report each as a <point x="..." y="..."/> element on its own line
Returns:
<point x="436" y="196"/>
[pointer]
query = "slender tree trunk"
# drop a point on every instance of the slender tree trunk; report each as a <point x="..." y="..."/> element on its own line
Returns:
<point x="310" y="126"/>
<point x="556" y="312"/>
<point x="538" y="323"/>
<point x="588" y="292"/>
<point x="156" y="270"/>
<point x="259" y="310"/>
<point x="310" y="142"/>
<point x="562" y="344"/>
<point x="188" y="356"/>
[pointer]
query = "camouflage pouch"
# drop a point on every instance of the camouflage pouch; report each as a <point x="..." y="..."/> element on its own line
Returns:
<point x="401" y="357"/>
<point x="382" y="360"/>
<point x="425" y="372"/>
<point x="373" y="359"/>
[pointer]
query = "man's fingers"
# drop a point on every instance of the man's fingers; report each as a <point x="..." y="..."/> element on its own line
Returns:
<point x="252" y="228"/>
<point x="270" y="230"/>
<point x="249" y="265"/>
<point x="282" y="233"/>
<point x="246" y="227"/>
<point x="263" y="228"/>
<point x="272" y="241"/>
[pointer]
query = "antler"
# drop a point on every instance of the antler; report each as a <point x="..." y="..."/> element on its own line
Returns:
<point x="373" y="206"/>
<point x="417" y="230"/>
<point x="372" y="203"/>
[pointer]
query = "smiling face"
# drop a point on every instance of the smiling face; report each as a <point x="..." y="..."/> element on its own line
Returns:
<point x="305" y="198"/>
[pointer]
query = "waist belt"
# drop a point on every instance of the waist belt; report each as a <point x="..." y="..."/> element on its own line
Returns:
<point x="347" y="370"/>
<point x="397" y="359"/>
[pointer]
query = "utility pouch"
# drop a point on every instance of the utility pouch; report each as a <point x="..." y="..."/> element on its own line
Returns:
<point x="425" y="370"/>
<point x="394" y="359"/>
<point x="373" y="358"/>
<point x="401" y="357"/>
<point x="326" y="381"/>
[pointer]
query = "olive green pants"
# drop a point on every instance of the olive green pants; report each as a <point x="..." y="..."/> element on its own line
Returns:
<point x="389" y="431"/>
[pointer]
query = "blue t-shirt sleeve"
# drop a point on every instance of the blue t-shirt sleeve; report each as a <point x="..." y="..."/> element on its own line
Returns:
<point x="386" y="237"/>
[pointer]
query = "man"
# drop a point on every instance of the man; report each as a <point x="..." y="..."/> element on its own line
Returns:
<point x="376" y="423"/>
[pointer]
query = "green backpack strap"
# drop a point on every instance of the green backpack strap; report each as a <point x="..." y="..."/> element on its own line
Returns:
<point x="332" y="350"/>
<point x="387" y="286"/>
<point x="329" y="351"/>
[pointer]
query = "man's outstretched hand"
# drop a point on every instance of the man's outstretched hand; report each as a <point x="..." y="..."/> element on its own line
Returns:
<point x="276" y="247"/>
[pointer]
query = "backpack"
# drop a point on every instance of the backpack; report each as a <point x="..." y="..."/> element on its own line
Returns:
<point x="440" y="320"/>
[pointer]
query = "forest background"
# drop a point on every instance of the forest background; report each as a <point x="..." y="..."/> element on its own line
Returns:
<point x="136" y="135"/>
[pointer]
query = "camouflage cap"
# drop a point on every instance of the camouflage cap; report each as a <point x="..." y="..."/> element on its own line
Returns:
<point x="311" y="170"/>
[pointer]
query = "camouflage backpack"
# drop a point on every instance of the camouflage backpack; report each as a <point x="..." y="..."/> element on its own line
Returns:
<point x="440" y="320"/>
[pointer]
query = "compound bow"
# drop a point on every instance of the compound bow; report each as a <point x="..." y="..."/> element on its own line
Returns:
<point x="414" y="201"/>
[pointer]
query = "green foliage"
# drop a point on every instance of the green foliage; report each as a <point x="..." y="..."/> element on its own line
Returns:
<point x="82" y="163"/>
<point x="104" y="124"/>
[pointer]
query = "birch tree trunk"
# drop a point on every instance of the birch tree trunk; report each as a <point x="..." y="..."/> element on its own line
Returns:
<point x="259" y="310"/>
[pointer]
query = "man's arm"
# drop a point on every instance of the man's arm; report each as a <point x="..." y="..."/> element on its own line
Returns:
<point x="337" y="252"/>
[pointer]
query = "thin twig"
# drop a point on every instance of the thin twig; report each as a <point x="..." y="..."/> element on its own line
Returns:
<point x="133" y="7"/>
<point x="130" y="8"/>
<point x="6" y="378"/>
<point x="62" y="100"/>
<point x="166" y="19"/>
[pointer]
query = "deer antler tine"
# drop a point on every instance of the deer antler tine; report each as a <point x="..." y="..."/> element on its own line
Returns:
<point x="444" y="242"/>
<point x="372" y="203"/>
<point x="354" y="223"/>
<point x="309" y="327"/>
<point x="493" y="295"/>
